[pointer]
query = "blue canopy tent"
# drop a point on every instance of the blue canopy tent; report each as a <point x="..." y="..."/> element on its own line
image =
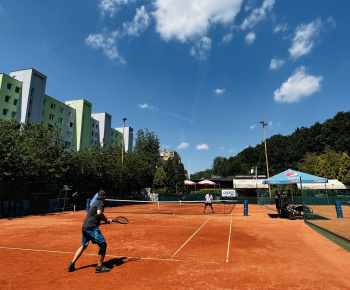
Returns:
<point x="292" y="176"/>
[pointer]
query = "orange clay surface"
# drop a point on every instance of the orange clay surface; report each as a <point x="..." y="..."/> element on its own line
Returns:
<point x="325" y="216"/>
<point x="163" y="251"/>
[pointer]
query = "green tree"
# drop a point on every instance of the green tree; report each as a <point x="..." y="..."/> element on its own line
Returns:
<point x="31" y="157"/>
<point x="159" y="181"/>
<point x="147" y="147"/>
<point x="309" y="163"/>
<point x="324" y="169"/>
<point x="344" y="172"/>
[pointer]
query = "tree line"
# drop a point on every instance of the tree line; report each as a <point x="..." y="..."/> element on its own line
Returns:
<point x="34" y="159"/>
<point x="320" y="150"/>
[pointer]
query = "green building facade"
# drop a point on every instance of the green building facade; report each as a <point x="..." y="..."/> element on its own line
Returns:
<point x="10" y="97"/>
<point x="21" y="99"/>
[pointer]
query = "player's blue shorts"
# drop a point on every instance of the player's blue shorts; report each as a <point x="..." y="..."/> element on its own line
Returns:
<point x="94" y="236"/>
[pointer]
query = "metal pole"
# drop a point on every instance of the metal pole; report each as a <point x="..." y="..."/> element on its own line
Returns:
<point x="124" y="119"/>
<point x="267" y="163"/>
<point x="189" y="168"/>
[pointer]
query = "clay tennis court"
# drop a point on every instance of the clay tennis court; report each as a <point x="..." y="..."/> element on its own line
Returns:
<point x="165" y="251"/>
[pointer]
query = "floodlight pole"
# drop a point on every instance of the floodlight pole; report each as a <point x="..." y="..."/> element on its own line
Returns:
<point x="267" y="163"/>
<point x="189" y="168"/>
<point x="123" y="145"/>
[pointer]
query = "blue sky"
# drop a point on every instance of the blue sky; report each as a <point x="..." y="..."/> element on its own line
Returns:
<point x="201" y="74"/>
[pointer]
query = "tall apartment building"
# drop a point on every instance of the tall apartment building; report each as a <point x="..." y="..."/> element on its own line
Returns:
<point x="129" y="137"/>
<point x="22" y="97"/>
<point x="167" y="154"/>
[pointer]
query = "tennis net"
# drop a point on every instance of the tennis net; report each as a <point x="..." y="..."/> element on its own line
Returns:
<point x="168" y="207"/>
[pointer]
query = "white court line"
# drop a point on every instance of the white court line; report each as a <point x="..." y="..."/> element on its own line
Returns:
<point x="113" y="256"/>
<point x="182" y="227"/>
<point x="190" y="237"/>
<point x="229" y="240"/>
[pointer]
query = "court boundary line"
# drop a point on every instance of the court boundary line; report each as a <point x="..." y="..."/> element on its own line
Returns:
<point x="229" y="240"/>
<point x="113" y="256"/>
<point x="191" y="237"/>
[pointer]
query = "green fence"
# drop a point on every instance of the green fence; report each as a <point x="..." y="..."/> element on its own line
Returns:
<point x="200" y="197"/>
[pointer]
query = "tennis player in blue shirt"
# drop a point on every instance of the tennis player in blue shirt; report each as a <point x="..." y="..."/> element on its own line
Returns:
<point x="91" y="232"/>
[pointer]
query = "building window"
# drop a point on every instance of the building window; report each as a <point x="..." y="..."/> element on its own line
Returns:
<point x="52" y="117"/>
<point x="53" y="106"/>
<point x="9" y="86"/>
<point x="93" y="125"/>
<point x="69" y="134"/>
<point x="13" y="115"/>
<point x="5" y="112"/>
<point x="70" y="114"/>
<point x="50" y="126"/>
<point x="112" y="134"/>
<point x="92" y="133"/>
<point x="60" y="120"/>
<point x="70" y="124"/>
<point x="44" y="102"/>
<point x="32" y="92"/>
<point x="15" y="102"/>
<point x="61" y="110"/>
<point x="17" y="90"/>
<point x="42" y="113"/>
<point x="7" y="99"/>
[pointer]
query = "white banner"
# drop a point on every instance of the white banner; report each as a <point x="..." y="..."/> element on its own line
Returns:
<point x="228" y="193"/>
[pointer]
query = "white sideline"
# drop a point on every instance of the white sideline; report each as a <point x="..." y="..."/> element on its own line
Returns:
<point x="190" y="237"/>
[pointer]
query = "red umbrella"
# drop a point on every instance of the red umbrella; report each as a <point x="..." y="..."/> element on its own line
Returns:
<point x="206" y="182"/>
<point x="189" y="182"/>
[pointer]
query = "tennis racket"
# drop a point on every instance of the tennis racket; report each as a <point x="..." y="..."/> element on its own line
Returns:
<point x="121" y="220"/>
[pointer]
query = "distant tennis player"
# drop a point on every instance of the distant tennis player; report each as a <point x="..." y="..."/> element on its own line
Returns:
<point x="208" y="199"/>
<point x="92" y="233"/>
<point x="180" y="198"/>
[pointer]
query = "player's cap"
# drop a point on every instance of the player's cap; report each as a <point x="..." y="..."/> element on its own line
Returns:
<point x="101" y="194"/>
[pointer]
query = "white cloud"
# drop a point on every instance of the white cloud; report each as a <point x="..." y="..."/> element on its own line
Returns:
<point x="222" y="148"/>
<point x="111" y="7"/>
<point x="191" y="19"/>
<point x="107" y="43"/>
<point x="300" y="85"/>
<point x="232" y="150"/>
<point x="258" y="14"/>
<point x="139" y="24"/>
<point x="252" y="127"/>
<point x="227" y="38"/>
<point x="183" y="145"/>
<point x="250" y="37"/>
<point x="304" y="38"/>
<point x="1" y="9"/>
<point x="202" y="147"/>
<point x="146" y="106"/>
<point x="280" y="27"/>
<point x="219" y="91"/>
<point x="276" y="63"/>
<point x="270" y="123"/>
<point x="201" y="48"/>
